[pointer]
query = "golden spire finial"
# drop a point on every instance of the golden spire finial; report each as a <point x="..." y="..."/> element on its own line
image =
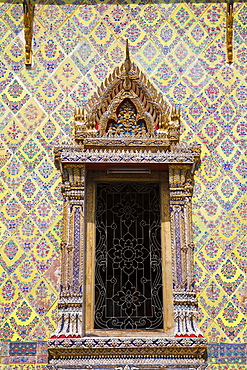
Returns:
<point x="127" y="62"/>
<point x="127" y="66"/>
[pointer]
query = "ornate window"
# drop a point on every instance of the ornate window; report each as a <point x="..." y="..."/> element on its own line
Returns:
<point x="127" y="287"/>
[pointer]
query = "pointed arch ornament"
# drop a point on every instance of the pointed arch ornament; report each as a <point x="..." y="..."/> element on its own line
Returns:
<point x="127" y="133"/>
<point x="162" y="123"/>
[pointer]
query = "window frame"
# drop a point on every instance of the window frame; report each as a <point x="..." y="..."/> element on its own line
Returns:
<point x="160" y="177"/>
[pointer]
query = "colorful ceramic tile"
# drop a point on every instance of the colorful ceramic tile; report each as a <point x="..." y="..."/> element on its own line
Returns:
<point x="84" y="57"/>
<point x="228" y="234"/>
<point x="195" y="113"/>
<point x="210" y="172"/>
<point x="11" y="255"/>
<point x="181" y="45"/>
<point x="82" y="92"/>
<point x="227" y="79"/>
<point x="227" y="152"/>
<point x="181" y="58"/>
<point x="212" y="19"/>
<point x="10" y="297"/>
<point x="115" y="54"/>
<point x="50" y="56"/>
<point x="101" y="38"/>
<point x="231" y="321"/>
<point x="181" y="95"/>
<point x="40" y="34"/>
<point x="14" y="56"/>
<point x="240" y="60"/>
<point x="39" y="333"/>
<point x="117" y="18"/>
<point x="12" y="214"/>
<point x="227" y="193"/>
<point x="30" y="154"/>
<point x="14" y="18"/>
<point x="229" y="277"/>
<point x="201" y="276"/>
<point x="241" y="170"/>
<point x="165" y="77"/>
<point x="215" y="334"/>
<point x="34" y="77"/>
<point x="29" y="194"/>
<point x="23" y="320"/>
<point x="239" y="212"/>
<point x="31" y="116"/>
<point x="239" y="133"/>
<point x="67" y="76"/>
<point x="42" y="256"/>
<point x="68" y="35"/>
<point x="182" y="19"/>
<point x="41" y="297"/>
<point x="43" y="214"/>
<point x="13" y="134"/>
<point x="197" y="8"/>
<point x="6" y="77"/>
<point x="51" y="17"/>
<point x="150" y="18"/>
<point x="64" y="117"/>
<point x="213" y="299"/>
<point x="149" y="57"/>
<point x="240" y="24"/>
<point x="53" y="274"/>
<point x="211" y="256"/>
<point x="135" y="36"/>
<point x="27" y="234"/>
<point x="196" y="78"/>
<point x="5" y="34"/>
<point x="25" y="276"/>
<point x="166" y="38"/>
<point x="48" y="135"/>
<point x="133" y="7"/>
<point x="4" y="193"/>
<point x="15" y="96"/>
<point x="200" y="194"/>
<point x="85" y="18"/>
<point x="239" y="255"/>
<point x="45" y="174"/>
<point x="49" y="96"/>
<point x="55" y="233"/>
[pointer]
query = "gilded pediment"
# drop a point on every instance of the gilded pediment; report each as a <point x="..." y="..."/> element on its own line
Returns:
<point x="127" y="111"/>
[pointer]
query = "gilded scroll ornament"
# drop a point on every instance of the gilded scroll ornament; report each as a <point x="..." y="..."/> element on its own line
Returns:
<point x="229" y="31"/>
<point x="28" y="10"/>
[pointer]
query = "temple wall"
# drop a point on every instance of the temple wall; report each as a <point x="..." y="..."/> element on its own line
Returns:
<point x="180" y="46"/>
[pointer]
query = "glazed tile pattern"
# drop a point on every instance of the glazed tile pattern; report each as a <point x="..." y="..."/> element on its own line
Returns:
<point x="181" y="47"/>
<point x="33" y="356"/>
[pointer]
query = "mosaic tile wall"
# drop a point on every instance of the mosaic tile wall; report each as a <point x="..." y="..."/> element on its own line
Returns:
<point x="181" y="48"/>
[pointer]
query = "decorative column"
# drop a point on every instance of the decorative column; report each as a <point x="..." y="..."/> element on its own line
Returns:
<point x="70" y="306"/>
<point x="184" y="296"/>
